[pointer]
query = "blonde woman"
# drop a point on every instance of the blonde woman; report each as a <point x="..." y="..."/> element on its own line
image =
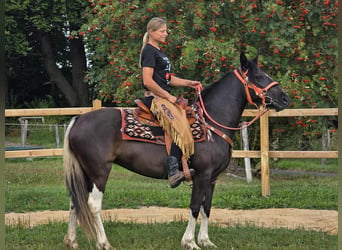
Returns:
<point x="158" y="82"/>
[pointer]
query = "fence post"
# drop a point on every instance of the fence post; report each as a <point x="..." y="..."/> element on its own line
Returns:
<point x="57" y="136"/>
<point x="325" y="142"/>
<point x="264" y="148"/>
<point x="23" y="127"/>
<point x="245" y="143"/>
<point x="97" y="104"/>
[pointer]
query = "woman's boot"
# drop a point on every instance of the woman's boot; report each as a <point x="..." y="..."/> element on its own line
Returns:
<point x="173" y="173"/>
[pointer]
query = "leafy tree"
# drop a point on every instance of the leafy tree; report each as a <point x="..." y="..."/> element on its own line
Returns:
<point x="40" y="50"/>
<point x="297" y="42"/>
<point x="296" y="39"/>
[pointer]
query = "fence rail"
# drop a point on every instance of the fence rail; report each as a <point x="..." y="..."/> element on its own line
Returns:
<point x="264" y="154"/>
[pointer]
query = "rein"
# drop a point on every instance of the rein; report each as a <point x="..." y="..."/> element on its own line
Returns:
<point x="261" y="93"/>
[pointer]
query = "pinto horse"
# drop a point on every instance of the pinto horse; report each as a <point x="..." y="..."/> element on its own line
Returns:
<point x="93" y="142"/>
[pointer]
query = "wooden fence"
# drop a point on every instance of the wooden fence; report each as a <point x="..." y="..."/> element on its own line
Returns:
<point x="264" y="154"/>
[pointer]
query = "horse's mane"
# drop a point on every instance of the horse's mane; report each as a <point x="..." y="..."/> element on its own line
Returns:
<point x="208" y="88"/>
<point x="252" y="67"/>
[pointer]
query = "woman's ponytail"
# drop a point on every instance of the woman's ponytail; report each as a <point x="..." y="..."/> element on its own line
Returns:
<point x="145" y="41"/>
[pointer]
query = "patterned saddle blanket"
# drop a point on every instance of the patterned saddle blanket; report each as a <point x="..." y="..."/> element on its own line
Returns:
<point x="136" y="130"/>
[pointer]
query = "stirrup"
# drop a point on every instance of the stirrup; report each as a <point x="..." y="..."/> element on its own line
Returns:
<point x="176" y="179"/>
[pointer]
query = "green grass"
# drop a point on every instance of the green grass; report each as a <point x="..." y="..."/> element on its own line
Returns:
<point x="167" y="236"/>
<point x="38" y="134"/>
<point x="34" y="185"/>
<point x="39" y="185"/>
<point x="307" y="164"/>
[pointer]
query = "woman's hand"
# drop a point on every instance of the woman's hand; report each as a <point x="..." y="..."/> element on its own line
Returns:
<point x="172" y="99"/>
<point x="193" y="84"/>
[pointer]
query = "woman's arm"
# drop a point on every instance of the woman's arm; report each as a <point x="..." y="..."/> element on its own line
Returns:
<point x="179" y="82"/>
<point x="154" y="87"/>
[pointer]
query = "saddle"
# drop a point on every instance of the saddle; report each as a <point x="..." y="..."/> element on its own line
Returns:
<point x="144" y="115"/>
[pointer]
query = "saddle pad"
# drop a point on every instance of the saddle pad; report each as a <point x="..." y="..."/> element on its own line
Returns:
<point x="134" y="130"/>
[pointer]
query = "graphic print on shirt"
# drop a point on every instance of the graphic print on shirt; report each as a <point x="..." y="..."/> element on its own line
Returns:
<point x="167" y="69"/>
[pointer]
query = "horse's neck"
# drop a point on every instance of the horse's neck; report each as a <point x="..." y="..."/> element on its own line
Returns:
<point x="225" y="102"/>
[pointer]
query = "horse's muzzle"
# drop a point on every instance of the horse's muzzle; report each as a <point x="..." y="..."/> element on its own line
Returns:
<point x="281" y="103"/>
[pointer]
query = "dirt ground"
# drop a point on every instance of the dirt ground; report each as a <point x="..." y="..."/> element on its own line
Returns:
<point x="318" y="220"/>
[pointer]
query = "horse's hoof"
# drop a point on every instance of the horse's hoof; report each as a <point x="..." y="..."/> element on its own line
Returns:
<point x="207" y="243"/>
<point x="70" y="243"/>
<point x="190" y="245"/>
<point x="104" y="246"/>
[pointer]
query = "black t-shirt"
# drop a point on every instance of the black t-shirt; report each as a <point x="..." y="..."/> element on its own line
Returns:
<point x="156" y="58"/>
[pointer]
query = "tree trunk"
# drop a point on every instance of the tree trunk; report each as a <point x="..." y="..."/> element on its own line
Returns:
<point x="55" y="74"/>
<point x="7" y="101"/>
<point x="79" y="67"/>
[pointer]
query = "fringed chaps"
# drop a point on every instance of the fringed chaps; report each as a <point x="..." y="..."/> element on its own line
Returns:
<point x="173" y="120"/>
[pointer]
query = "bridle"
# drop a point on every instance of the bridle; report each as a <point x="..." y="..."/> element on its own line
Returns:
<point x="260" y="92"/>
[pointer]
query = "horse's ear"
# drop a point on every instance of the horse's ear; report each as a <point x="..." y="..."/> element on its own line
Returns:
<point x="256" y="59"/>
<point x="243" y="61"/>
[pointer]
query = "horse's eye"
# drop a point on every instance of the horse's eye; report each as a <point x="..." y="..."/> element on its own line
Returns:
<point x="259" y="77"/>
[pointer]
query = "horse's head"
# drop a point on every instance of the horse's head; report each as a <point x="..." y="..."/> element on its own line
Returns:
<point x="260" y="88"/>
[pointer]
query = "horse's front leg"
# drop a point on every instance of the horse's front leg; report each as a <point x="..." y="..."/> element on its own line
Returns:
<point x="188" y="240"/>
<point x="203" y="235"/>
<point x="70" y="237"/>
<point x="200" y="184"/>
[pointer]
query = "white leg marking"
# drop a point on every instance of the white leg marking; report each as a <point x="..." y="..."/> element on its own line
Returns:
<point x="188" y="240"/>
<point x="203" y="236"/>
<point x="95" y="205"/>
<point x="70" y="237"/>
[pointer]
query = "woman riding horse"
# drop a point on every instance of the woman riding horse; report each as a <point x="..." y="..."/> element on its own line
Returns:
<point x="94" y="141"/>
<point x="157" y="81"/>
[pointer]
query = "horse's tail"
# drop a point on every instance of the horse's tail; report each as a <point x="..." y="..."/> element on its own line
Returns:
<point x="76" y="183"/>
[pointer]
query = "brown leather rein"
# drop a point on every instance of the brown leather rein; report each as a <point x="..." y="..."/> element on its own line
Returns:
<point x="261" y="93"/>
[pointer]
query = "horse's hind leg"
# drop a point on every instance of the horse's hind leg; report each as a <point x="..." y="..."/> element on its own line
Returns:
<point x="95" y="205"/>
<point x="70" y="237"/>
